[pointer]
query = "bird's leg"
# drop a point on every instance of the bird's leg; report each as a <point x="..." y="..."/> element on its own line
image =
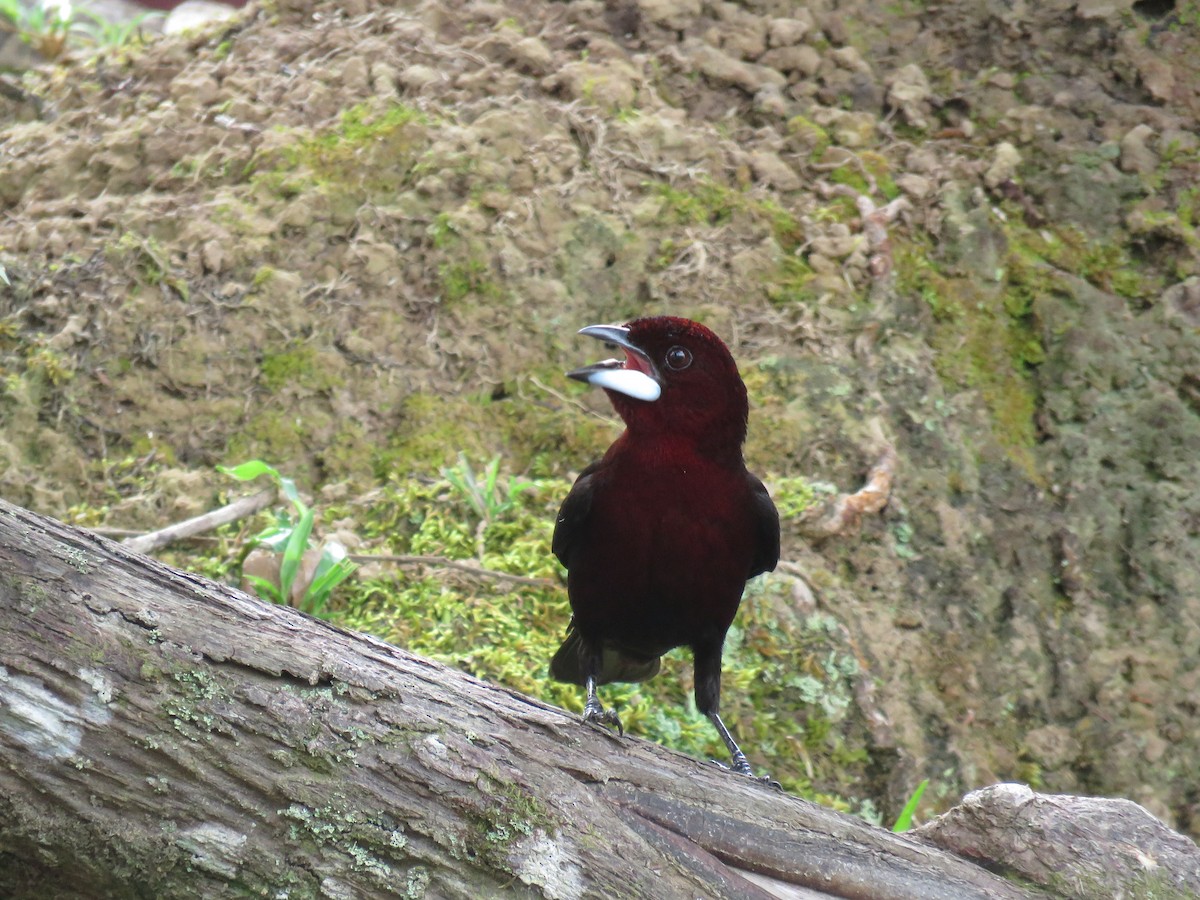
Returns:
<point x="591" y="657"/>
<point x="594" y="711"/>
<point x="740" y="764"/>
<point x="708" y="697"/>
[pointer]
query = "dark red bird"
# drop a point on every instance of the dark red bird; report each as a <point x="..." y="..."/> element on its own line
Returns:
<point x="660" y="536"/>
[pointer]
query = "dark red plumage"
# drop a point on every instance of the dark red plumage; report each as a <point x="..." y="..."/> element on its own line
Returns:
<point x="660" y="536"/>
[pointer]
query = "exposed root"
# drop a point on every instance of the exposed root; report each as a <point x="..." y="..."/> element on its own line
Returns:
<point x="875" y="221"/>
<point x="844" y="513"/>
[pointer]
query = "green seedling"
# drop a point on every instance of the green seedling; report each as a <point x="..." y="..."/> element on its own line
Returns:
<point x="486" y="496"/>
<point x="904" y="820"/>
<point x="290" y="538"/>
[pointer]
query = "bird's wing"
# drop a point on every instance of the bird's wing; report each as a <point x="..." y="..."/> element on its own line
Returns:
<point x="766" y="527"/>
<point x="573" y="514"/>
<point x="567" y="665"/>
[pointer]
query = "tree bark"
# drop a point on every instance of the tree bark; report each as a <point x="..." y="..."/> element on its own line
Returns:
<point x="162" y="735"/>
<point x="1080" y="847"/>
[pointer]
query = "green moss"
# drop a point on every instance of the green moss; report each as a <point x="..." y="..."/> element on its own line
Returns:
<point x="793" y="496"/>
<point x="349" y="454"/>
<point x="867" y="173"/>
<point x="1106" y="265"/>
<point x="787" y="229"/>
<point x="151" y="445"/>
<point x="851" y="176"/>
<point x="539" y="437"/>
<point x="512" y="814"/>
<point x="704" y="202"/>
<point x="296" y="365"/>
<point x="374" y="842"/>
<point x="881" y="170"/>
<point x="707" y="203"/>
<point x="370" y="152"/>
<point x="271" y="434"/>
<point x="363" y="122"/>
<point x="263" y="276"/>
<point x="810" y="135"/>
<point x="1151" y="885"/>
<point x="987" y="334"/>
<point x="1030" y="773"/>
<point x="443" y="232"/>
<point x="791" y="282"/>
<point x="466" y="271"/>
<point x="1186" y="210"/>
<point x="144" y="257"/>
<point x="986" y="338"/>
<point x="467" y="277"/>
<point x="192" y="706"/>
<point x="432" y="430"/>
<point x="49" y="366"/>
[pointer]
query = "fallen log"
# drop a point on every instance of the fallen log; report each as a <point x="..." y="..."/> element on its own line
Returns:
<point x="164" y="735"/>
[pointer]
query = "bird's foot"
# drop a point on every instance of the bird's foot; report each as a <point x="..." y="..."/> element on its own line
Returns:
<point x="594" y="712"/>
<point x="741" y="766"/>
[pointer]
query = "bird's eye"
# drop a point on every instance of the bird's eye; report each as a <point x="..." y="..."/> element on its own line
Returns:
<point x="679" y="358"/>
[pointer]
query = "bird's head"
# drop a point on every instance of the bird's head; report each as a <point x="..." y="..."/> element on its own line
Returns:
<point x="677" y="378"/>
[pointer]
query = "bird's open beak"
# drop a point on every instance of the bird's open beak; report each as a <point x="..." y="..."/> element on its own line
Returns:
<point x="634" y="376"/>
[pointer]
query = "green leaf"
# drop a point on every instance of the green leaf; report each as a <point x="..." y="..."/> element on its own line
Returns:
<point x="288" y="487"/>
<point x="293" y="553"/>
<point x="250" y="470"/>
<point x="332" y="553"/>
<point x="267" y="590"/>
<point x="519" y="486"/>
<point x="331" y="573"/>
<point x="904" y="820"/>
<point x="321" y="588"/>
<point x="491" y="474"/>
<point x="275" y="538"/>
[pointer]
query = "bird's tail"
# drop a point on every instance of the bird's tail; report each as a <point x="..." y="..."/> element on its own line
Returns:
<point x="615" y="664"/>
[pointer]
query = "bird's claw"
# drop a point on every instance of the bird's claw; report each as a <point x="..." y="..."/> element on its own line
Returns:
<point x="598" y="715"/>
<point x="741" y="766"/>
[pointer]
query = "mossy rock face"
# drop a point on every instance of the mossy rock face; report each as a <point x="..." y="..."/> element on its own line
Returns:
<point x="359" y="242"/>
<point x="602" y="263"/>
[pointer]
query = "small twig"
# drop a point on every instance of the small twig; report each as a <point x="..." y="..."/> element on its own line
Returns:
<point x="239" y="509"/>
<point x="456" y="564"/>
<point x="109" y="531"/>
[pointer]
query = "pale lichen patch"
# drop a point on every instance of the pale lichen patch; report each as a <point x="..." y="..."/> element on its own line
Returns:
<point x="543" y="861"/>
<point x="214" y="848"/>
<point x="336" y="889"/>
<point x="99" y="683"/>
<point x="37" y="718"/>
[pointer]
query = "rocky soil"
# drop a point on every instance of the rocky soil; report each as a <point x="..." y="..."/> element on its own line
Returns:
<point x="354" y="239"/>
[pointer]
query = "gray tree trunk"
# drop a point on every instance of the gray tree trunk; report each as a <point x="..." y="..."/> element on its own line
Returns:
<point x="165" y="736"/>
